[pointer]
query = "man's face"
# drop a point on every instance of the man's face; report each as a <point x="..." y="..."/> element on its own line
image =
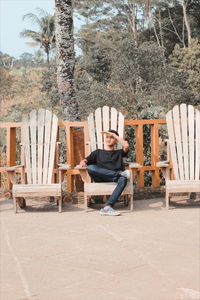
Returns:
<point x="110" y="141"/>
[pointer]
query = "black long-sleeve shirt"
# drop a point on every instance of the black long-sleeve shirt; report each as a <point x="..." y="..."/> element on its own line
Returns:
<point x="108" y="159"/>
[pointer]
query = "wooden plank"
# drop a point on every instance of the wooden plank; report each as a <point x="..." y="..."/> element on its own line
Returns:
<point x="48" y="118"/>
<point x="22" y="156"/>
<point x="33" y="145"/>
<point x="144" y="122"/>
<point x="70" y="183"/>
<point x="155" y="154"/>
<point x="191" y="139"/>
<point x="86" y="139"/>
<point x="184" y="129"/>
<point x="26" y="134"/>
<point x="177" y="186"/>
<point x="36" y="190"/>
<point x="106" y="121"/>
<point x="178" y="140"/>
<point x="120" y="128"/>
<point x="11" y="150"/>
<point x="98" y="121"/>
<point x="41" y="116"/>
<point x="172" y="143"/>
<point x="105" y="188"/>
<point x="70" y="157"/>
<point x="54" y="130"/>
<point x="10" y="124"/>
<point x="113" y="117"/>
<point x="140" y="153"/>
<point x="69" y="146"/>
<point x="92" y="132"/>
<point x="197" y="158"/>
<point x="80" y="124"/>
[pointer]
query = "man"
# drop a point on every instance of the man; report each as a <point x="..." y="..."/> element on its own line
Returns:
<point x="107" y="166"/>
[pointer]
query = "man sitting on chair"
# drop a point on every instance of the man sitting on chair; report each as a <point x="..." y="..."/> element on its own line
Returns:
<point x="107" y="166"/>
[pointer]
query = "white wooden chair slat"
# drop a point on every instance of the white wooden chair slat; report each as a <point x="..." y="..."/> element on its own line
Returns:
<point x="41" y="114"/>
<point x="120" y="129"/>
<point x="106" y="119"/>
<point x="178" y="139"/>
<point x="114" y="118"/>
<point x="98" y="120"/>
<point x="172" y="143"/>
<point x="25" y="125"/>
<point x="52" y="148"/>
<point x="191" y="139"/>
<point x="197" y="159"/>
<point x="92" y="131"/>
<point x="184" y="127"/>
<point x="48" y="117"/>
<point x="33" y="145"/>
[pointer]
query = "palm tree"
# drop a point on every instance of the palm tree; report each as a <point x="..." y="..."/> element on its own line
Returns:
<point x="66" y="59"/>
<point x="45" y="36"/>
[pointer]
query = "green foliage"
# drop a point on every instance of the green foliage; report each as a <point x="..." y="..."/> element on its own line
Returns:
<point x="187" y="63"/>
<point x="49" y="85"/>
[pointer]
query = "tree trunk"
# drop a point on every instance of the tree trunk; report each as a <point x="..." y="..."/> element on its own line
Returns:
<point x="66" y="59"/>
<point x="47" y="53"/>
<point x="184" y="5"/>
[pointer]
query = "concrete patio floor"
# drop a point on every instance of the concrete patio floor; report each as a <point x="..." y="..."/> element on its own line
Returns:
<point x="147" y="254"/>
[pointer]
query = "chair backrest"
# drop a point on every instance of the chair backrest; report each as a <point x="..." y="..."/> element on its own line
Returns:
<point x="103" y="119"/>
<point x="183" y="124"/>
<point x="40" y="133"/>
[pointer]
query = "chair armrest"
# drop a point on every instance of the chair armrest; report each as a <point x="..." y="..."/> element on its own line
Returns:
<point x="163" y="164"/>
<point x="13" y="168"/>
<point x="78" y="167"/>
<point x="64" y="166"/>
<point x="133" y="165"/>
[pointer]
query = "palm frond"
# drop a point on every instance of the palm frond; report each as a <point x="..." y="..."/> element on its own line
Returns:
<point x="42" y="12"/>
<point x="33" y="44"/>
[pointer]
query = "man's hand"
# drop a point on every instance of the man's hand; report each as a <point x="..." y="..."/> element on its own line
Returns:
<point x="124" y="143"/>
<point x="110" y="133"/>
<point x="83" y="163"/>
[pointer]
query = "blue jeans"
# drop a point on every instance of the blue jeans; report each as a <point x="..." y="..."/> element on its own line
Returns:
<point x="104" y="175"/>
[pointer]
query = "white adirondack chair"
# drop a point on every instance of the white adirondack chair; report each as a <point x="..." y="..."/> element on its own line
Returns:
<point x="183" y="124"/>
<point x="102" y="120"/>
<point x="39" y="148"/>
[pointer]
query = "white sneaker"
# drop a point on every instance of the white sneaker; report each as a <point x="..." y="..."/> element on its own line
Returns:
<point x="126" y="174"/>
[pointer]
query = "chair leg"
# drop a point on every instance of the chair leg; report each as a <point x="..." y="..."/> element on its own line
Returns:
<point x="86" y="202"/>
<point x="167" y="200"/>
<point x="131" y="202"/>
<point x="15" y="204"/>
<point x="60" y="204"/>
<point x="21" y="202"/>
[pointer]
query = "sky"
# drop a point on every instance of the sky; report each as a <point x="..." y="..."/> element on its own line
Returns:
<point x="11" y="24"/>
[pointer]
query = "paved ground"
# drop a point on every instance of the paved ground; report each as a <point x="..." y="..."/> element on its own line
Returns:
<point x="149" y="254"/>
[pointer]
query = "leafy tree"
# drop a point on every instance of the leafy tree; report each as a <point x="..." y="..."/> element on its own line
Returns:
<point x="167" y="23"/>
<point x="45" y="36"/>
<point x="187" y="63"/>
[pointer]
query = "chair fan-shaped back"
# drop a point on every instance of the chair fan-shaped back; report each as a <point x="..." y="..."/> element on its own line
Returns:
<point x="104" y="119"/>
<point x="183" y="124"/>
<point x="40" y="133"/>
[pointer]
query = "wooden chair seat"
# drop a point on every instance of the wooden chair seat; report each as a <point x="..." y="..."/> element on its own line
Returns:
<point x="181" y="186"/>
<point x="102" y="188"/>
<point x="37" y="190"/>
